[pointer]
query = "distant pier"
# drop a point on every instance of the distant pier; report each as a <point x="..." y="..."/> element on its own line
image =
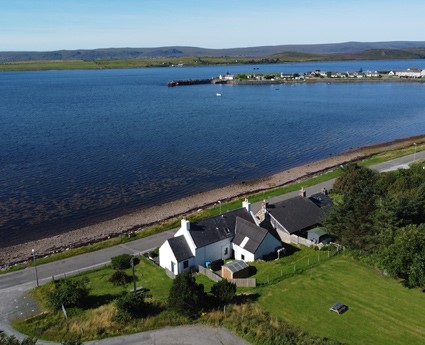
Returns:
<point x="195" y="82"/>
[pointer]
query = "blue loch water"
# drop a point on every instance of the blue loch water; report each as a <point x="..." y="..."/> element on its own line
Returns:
<point x="81" y="146"/>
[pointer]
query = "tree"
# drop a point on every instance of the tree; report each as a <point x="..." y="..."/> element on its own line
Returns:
<point x="351" y="221"/>
<point x="68" y="292"/>
<point x="121" y="262"/>
<point x="131" y="306"/>
<point x="224" y="291"/>
<point x="405" y="258"/>
<point x="186" y="296"/>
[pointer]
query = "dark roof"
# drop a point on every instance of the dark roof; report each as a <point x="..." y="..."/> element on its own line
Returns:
<point x="296" y="214"/>
<point x="236" y="266"/>
<point x="321" y="200"/>
<point x="180" y="248"/>
<point x="218" y="228"/>
<point x="254" y="233"/>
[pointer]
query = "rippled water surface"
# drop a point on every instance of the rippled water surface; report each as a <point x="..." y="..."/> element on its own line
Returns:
<point x="79" y="146"/>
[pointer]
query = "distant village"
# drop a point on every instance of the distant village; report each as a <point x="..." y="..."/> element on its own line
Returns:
<point x="410" y="73"/>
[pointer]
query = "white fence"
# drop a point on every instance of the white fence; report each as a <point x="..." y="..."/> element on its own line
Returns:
<point x="294" y="239"/>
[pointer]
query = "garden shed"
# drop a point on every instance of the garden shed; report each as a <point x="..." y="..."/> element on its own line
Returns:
<point x="316" y="235"/>
<point x="235" y="269"/>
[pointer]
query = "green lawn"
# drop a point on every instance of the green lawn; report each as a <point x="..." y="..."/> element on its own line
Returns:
<point x="381" y="310"/>
<point x="147" y="273"/>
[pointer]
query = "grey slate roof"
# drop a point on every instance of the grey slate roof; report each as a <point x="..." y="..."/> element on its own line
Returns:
<point x="296" y="214"/>
<point x="218" y="228"/>
<point x="255" y="234"/>
<point x="180" y="248"/>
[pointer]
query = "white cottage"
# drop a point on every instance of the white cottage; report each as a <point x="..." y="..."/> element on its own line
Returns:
<point x="252" y="242"/>
<point x="208" y="240"/>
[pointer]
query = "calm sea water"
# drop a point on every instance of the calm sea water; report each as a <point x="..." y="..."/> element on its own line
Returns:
<point x="80" y="146"/>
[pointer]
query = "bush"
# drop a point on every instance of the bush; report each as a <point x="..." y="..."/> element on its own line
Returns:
<point x="120" y="278"/>
<point x="69" y="293"/>
<point x="186" y="297"/>
<point x="72" y="342"/>
<point x="224" y="291"/>
<point x="131" y="306"/>
<point x="12" y="340"/>
<point x="121" y="262"/>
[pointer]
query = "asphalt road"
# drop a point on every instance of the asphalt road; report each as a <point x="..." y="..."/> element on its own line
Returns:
<point x="13" y="286"/>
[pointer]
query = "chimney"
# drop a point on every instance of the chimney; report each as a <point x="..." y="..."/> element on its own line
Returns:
<point x="324" y="191"/>
<point x="264" y="205"/>
<point x="246" y="204"/>
<point x="302" y="192"/>
<point x="185" y="224"/>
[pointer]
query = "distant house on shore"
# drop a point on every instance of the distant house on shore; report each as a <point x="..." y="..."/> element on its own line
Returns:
<point x="409" y="73"/>
<point x="227" y="76"/>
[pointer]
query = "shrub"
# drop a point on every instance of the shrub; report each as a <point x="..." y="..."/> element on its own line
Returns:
<point x="131" y="306"/>
<point x="120" y="278"/>
<point x="69" y="293"/>
<point x="186" y="296"/>
<point x="72" y="342"/>
<point x="121" y="262"/>
<point x="224" y="291"/>
<point x="12" y="340"/>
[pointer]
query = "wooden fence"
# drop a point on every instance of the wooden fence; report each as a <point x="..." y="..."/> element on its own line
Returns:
<point x="248" y="282"/>
<point x="210" y="274"/>
<point x="245" y="282"/>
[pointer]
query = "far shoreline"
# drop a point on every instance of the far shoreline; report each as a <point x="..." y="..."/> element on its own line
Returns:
<point x="137" y="220"/>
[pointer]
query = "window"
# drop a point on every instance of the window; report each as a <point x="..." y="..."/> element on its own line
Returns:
<point x="186" y="264"/>
<point x="226" y="251"/>
<point x="242" y="257"/>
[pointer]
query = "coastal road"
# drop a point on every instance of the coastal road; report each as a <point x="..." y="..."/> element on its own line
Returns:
<point x="14" y="302"/>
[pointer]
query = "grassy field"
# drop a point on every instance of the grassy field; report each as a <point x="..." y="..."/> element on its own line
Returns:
<point x="381" y="310"/>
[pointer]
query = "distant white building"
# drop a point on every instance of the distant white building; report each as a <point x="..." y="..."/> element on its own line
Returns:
<point x="227" y="76"/>
<point x="411" y="73"/>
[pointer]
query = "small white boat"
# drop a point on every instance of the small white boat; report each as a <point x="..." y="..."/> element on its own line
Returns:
<point x="218" y="94"/>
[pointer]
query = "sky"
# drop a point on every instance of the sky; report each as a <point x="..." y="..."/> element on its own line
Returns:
<point x="44" y="25"/>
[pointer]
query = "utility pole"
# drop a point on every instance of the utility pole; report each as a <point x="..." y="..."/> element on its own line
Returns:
<point x="35" y="267"/>
<point x="134" y="276"/>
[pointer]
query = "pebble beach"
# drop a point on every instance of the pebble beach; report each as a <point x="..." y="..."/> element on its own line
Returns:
<point x="136" y="221"/>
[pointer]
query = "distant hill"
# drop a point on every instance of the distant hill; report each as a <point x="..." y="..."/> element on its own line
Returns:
<point x="370" y="54"/>
<point x="355" y="49"/>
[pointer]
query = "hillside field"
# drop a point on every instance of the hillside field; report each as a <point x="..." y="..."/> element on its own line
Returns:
<point x="381" y="310"/>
